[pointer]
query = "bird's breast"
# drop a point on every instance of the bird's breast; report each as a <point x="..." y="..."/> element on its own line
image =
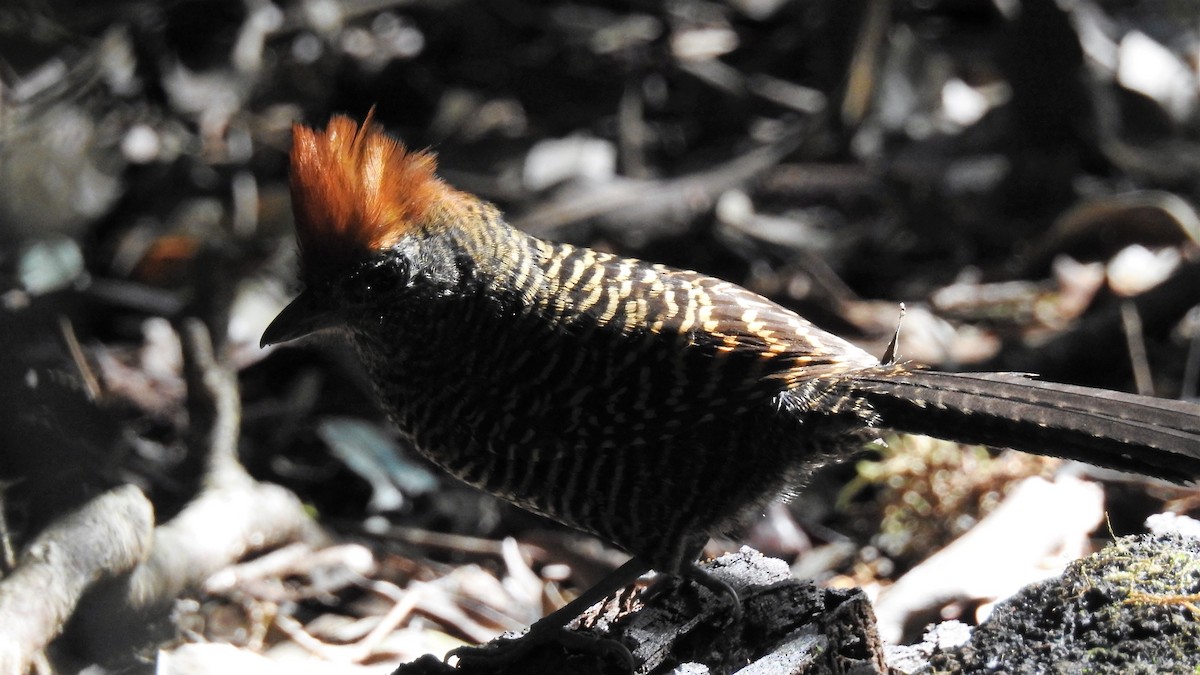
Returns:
<point x="483" y="384"/>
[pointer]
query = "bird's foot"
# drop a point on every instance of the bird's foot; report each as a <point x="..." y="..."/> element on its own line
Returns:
<point x="500" y="655"/>
<point x="719" y="588"/>
<point x="504" y="653"/>
<point x="722" y="592"/>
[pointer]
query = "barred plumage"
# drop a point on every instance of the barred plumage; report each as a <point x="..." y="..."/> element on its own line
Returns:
<point x="648" y="405"/>
<point x="563" y="392"/>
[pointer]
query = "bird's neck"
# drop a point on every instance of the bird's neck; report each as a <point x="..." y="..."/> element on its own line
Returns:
<point x="492" y="262"/>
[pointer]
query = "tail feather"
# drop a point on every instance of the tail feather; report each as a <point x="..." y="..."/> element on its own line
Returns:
<point x="1127" y="432"/>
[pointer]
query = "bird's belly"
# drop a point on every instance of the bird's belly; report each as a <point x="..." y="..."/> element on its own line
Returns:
<point x="623" y="473"/>
<point x="647" y="452"/>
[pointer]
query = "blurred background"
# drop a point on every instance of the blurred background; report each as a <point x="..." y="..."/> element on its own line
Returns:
<point x="1022" y="174"/>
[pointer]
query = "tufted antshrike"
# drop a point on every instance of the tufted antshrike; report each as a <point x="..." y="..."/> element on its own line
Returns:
<point x="650" y="406"/>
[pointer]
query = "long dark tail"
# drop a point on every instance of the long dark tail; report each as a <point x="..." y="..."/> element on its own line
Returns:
<point x="1151" y="436"/>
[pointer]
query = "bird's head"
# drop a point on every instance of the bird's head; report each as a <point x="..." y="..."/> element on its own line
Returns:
<point x="361" y="200"/>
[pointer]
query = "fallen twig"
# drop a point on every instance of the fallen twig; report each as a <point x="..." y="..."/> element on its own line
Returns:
<point x="108" y="536"/>
<point x="231" y="516"/>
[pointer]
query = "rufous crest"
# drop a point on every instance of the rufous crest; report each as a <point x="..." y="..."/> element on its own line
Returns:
<point x="357" y="190"/>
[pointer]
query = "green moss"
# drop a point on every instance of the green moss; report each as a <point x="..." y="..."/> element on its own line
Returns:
<point x="928" y="492"/>
<point x="1131" y="608"/>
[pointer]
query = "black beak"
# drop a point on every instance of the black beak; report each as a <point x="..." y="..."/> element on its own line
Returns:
<point x="303" y="316"/>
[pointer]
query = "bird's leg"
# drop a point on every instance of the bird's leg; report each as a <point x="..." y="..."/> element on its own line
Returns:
<point x="552" y="628"/>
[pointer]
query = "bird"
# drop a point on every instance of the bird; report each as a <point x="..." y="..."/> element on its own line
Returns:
<point x="649" y="406"/>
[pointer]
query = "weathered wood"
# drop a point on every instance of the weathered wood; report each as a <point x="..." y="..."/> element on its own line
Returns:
<point x="787" y="626"/>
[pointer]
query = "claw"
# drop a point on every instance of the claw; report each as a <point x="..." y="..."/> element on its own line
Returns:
<point x="717" y="587"/>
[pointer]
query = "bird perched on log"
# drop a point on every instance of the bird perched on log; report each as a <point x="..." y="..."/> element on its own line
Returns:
<point x="647" y="405"/>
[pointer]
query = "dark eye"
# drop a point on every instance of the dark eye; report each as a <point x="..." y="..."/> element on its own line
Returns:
<point x="384" y="276"/>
